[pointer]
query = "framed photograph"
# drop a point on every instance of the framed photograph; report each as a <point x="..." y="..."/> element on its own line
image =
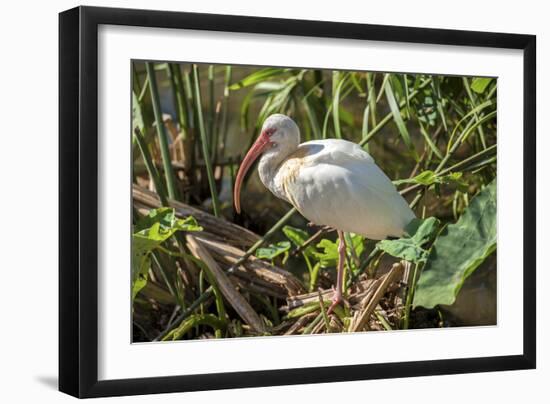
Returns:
<point x="252" y="201"/>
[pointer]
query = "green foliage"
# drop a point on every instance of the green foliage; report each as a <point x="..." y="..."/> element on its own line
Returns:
<point x="257" y="77"/>
<point x="410" y="247"/>
<point x="149" y="233"/>
<point x="429" y="177"/>
<point x="137" y="115"/>
<point x="328" y="257"/>
<point x="398" y="119"/>
<point x="273" y="250"/>
<point x="458" y="251"/>
<point x="312" y="307"/>
<point x="480" y="84"/>
<point x="435" y="135"/>
<point x="193" y="321"/>
<point x="298" y="238"/>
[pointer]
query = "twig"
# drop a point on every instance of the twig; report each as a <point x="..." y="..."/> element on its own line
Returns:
<point x="300" y="323"/>
<point x="313" y="324"/>
<point x="451" y="168"/>
<point x="382" y="319"/>
<point x="282" y="221"/>
<point x="365" y="314"/>
<point x="186" y="313"/>
<point x="310" y="240"/>
<point x="294" y="302"/>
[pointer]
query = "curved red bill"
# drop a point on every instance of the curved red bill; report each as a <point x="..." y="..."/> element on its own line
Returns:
<point x="257" y="148"/>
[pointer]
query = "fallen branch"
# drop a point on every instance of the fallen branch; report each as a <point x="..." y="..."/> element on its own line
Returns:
<point x="230" y="232"/>
<point x="254" y="269"/>
<point x="235" y="299"/>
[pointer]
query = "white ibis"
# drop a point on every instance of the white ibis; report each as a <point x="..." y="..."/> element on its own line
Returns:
<point x="331" y="182"/>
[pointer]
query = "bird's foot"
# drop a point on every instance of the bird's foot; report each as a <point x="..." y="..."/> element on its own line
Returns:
<point x="336" y="300"/>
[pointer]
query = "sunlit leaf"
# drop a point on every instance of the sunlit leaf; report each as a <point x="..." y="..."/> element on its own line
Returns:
<point x="429" y="177"/>
<point x="480" y="84"/>
<point x="298" y="238"/>
<point x="410" y="247"/>
<point x="193" y="321"/>
<point x="458" y="250"/>
<point x="141" y="262"/>
<point x="328" y="256"/>
<point x="149" y="233"/>
<point x="273" y="250"/>
<point x="257" y="77"/>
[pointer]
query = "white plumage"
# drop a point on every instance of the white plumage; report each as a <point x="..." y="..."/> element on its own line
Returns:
<point x="331" y="182"/>
<point x="339" y="185"/>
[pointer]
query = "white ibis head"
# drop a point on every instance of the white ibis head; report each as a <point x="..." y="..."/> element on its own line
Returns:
<point x="278" y="138"/>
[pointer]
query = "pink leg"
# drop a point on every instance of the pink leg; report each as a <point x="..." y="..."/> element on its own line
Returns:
<point x="337" y="297"/>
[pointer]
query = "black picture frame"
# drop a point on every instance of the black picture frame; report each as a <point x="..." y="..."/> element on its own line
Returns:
<point x="78" y="200"/>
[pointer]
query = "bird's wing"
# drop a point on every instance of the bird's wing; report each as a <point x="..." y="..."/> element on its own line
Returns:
<point x="340" y="185"/>
<point x="343" y="153"/>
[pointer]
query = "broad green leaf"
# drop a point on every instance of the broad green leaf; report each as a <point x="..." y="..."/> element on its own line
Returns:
<point x="149" y="233"/>
<point x="167" y="220"/>
<point x="403" y="248"/>
<point x="328" y="257"/>
<point x="141" y="262"/>
<point x="422" y="230"/>
<point x="458" y="250"/>
<point x="357" y="241"/>
<point x="298" y="238"/>
<point x="479" y="84"/>
<point x="409" y="248"/>
<point x="273" y="250"/>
